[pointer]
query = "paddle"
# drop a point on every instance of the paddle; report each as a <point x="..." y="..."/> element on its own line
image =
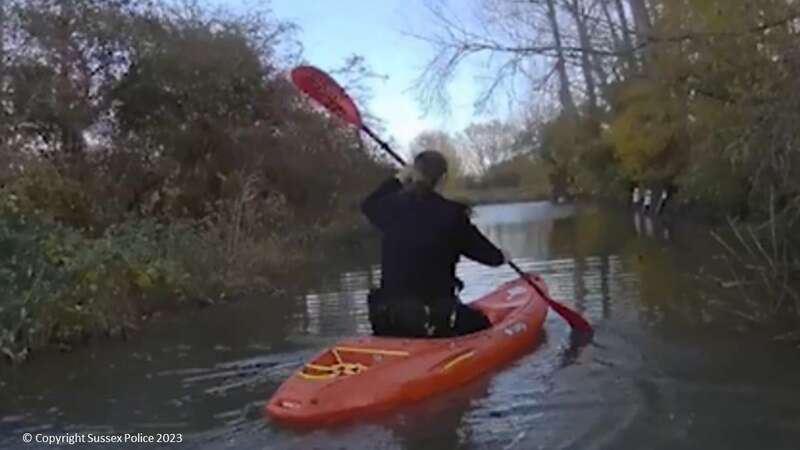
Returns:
<point x="327" y="92"/>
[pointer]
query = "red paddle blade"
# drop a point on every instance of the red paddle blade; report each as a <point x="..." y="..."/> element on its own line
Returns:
<point x="326" y="91"/>
<point x="575" y="320"/>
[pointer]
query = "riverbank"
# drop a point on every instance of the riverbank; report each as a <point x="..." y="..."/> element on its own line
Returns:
<point x="64" y="289"/>
<point x="66" y="285"/>
<point x="173" y="177"/>
<point x="476" y="197"/>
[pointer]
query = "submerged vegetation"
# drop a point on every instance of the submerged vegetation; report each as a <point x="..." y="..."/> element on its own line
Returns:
<point x="152" y="153"/>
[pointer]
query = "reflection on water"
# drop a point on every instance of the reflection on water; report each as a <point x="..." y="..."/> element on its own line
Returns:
<point x="665" y="370"/>
<point x="587" y="282"/>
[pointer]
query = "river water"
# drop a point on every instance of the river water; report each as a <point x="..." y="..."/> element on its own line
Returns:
<point x="670" y="366"/>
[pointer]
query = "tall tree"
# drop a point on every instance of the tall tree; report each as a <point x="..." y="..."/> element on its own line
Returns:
<point x="627" y="40"/>
<point x="564" y="89"/>
<point x="611" y="25"/>
<point x="69" y="57"/>
<point x="641" y="18"/>
<point x="2" y="61"/>
<point x="522" y="43"/>
<point x="579" y="16"/>
<point x="2" y="42"/>
<point x="487" y="144"/>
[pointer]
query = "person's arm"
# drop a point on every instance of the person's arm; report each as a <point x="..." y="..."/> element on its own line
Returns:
<point x="375" y="206"/>
<point x="477" y="247"/>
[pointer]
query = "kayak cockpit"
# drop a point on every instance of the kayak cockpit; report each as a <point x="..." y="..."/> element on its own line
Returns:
<point x="344" y="361"/>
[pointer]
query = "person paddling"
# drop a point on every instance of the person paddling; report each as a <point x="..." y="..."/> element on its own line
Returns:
<point x="424" y="236"/>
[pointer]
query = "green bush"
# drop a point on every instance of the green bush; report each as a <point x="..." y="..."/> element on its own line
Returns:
<point x="40" y="191"/>
<point x="59" y="285"/>
<point x="189" y="168"/>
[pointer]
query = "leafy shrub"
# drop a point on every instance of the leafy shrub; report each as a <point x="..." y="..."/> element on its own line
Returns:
<point x="59" y="285"/>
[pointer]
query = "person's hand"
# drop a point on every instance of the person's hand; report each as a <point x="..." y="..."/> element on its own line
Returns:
<point x="407" y="174"/>
<point x="459" y="285"/>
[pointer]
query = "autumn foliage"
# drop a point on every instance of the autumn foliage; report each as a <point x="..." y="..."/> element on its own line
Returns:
<point x="152" y="153"/>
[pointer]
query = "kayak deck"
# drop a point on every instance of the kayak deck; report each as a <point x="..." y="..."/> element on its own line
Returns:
<point x="369" y="374"/>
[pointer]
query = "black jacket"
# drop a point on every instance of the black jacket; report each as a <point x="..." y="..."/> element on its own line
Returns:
<point x="424" y="235"/>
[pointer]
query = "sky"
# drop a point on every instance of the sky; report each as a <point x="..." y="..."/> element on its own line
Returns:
<point x="332" y="30"/>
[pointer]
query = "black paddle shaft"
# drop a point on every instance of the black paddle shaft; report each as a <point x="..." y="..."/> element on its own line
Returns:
<point x="383" y="145"/>
<point x="526" y="277"/>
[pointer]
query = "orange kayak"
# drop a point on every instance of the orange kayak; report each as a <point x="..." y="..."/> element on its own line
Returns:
<point x="365" y="375"/>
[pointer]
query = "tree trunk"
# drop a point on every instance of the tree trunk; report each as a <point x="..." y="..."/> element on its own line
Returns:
<point x="623" y="22"/>
<point x="578" y="15"/>
<point x="602" y="78"/>
<point x="564" y="93"/>
<point x="2" y="52"/>
<point x="626" y="40"/>
<point x="612" y="27"/>
<point x="641" y="18"/>
<point x="643" y="23"/>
